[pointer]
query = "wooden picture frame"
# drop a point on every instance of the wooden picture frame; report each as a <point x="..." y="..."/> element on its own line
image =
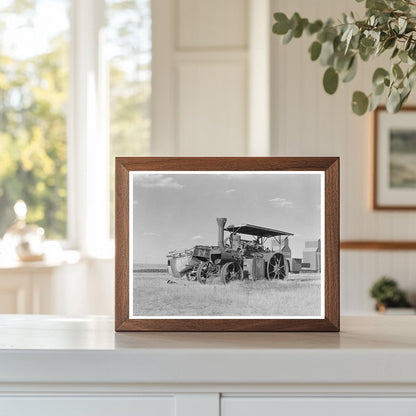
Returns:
<point x="130" y="168"/>
<point x="391" y="189"/>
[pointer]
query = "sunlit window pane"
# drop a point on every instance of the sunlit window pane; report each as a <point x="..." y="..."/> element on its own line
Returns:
<point x="129" y="54"/>
<point x="33" y="103"/>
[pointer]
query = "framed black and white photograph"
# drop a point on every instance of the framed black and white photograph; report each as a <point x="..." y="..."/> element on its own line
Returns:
<point x="394" y="159"/>
<point x="234" y="244"/>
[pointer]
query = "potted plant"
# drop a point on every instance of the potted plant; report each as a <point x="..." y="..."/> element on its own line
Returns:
<point x="387" y="294"/>
<point x="389" y="27"/>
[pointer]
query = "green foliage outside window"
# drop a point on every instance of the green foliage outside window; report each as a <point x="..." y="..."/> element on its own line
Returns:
<point x="34" y="104"/>
<point x="33" y="99"/>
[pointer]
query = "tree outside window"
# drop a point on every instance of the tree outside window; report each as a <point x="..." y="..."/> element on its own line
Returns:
<point x="34" y="93"/>
<point x="33" y="100"/>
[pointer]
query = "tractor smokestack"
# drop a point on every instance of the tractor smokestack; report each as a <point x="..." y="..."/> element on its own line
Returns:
<point x="221" y="223"/>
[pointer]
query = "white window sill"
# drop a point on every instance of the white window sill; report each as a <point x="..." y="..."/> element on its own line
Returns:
<point x="7" y="262"/>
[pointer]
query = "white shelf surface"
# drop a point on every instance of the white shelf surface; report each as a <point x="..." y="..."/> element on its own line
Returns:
<point x="53" y="349"/>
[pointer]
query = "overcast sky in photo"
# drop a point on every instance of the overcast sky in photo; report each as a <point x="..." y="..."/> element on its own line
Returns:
<point x="176" y="211"/>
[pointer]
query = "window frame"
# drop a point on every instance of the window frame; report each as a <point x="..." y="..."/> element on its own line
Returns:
<point x="87" y="133"/>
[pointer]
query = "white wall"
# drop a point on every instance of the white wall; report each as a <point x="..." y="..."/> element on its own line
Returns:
<point x="308" y="122"/>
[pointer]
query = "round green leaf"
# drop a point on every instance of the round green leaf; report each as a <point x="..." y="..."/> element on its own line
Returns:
<point x="367" y="42"/>
<point x="298" y="30"/>
<point x="281" y="27"/>
<point x="366" y="53"/>
<point x="330" y="80"/>
<point x="389" y="43"/>
<point x="376" y="4"/>
<point x="322" y="36"/>
<point x="315" y="50"/>
<point x="379" y="75"/>
<point x="359" y="103"/>
<point x="314" y="27"/>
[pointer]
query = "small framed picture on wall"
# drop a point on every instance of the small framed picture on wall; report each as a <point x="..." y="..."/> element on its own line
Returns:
<point x="394" y="179"/>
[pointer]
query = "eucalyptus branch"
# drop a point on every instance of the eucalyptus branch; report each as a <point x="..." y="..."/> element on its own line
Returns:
<point x="388" y="25"/>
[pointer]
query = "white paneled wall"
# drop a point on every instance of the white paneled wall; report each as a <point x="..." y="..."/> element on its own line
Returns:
<point x="201" y="110"/>
<point x="212" y="24"/>
<point x="305" y="121"/>
<point x="212" y="104"/>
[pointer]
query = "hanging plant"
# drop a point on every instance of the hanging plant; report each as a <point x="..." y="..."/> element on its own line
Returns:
<point x="389" y="27"/>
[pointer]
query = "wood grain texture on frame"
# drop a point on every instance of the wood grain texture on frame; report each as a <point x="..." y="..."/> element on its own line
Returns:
<point x="375" y="204"/>
<point x="329" y="165"/>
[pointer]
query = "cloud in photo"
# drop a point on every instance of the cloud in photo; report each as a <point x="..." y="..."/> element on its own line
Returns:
<point x="158" y="181"/>
<point x="228" y="191"/>
<point x="151" y="234"/>
<point x="281" y="203"/>
<point x="197" y="237"/>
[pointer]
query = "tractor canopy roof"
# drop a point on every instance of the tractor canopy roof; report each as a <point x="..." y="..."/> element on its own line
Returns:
<point x="255" y="230"/>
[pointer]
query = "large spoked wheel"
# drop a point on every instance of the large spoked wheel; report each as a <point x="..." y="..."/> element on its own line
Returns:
<point x="276" y="268"/>
<point x="202" y="273"/>
<point x="230" y="271"/>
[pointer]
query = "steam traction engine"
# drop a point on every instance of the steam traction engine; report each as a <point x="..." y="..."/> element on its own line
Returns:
<point x="235" y="258"/>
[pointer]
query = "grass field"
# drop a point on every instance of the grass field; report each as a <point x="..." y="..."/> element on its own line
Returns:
<point x="298" y="295"/>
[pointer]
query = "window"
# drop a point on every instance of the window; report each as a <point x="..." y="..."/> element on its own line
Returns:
<point x="75" y="87"/>
<point x="33" y="98"/>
